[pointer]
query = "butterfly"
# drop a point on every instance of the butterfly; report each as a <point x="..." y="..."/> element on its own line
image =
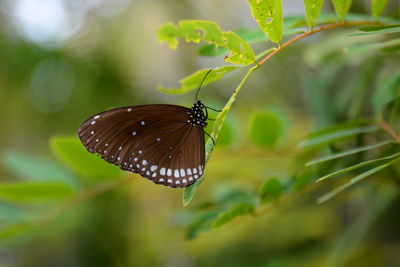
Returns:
<point x="163" y="143"/>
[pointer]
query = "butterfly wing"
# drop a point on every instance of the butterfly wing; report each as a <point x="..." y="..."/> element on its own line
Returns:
<point x="155" y="141"/>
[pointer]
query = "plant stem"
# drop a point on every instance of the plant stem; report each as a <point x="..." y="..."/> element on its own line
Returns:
<point x="82" y="197"/>
<point x="387" y="128"/>
<point x="222" y="115"/>
<point x="311" y="32"/>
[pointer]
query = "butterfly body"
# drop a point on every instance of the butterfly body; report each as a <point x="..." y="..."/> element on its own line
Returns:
<point x="163" y="143"/>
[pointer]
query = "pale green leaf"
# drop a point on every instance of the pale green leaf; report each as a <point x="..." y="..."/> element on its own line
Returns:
<point x="348" y="153"/>
<point x="385" y="92"/>
<point x="342" y="7"/>
<point x="189" y="192"/>
<point x="335" y="135"/>
<point x="268" y="15"/>
<point x="74" y="155"/>
<point x="377" y="7"/>
<point x="195" y="31"/>
<point x="267" y="128"/>
<point x="354" y="180"/>
<point x="366" y="47"/>
<point x="313" y="8"/>
<point x="376" y="30"/>
<point x="238" y="210"/>
<point x="193" y="81"/>
<point x="31" y="192"/>
<point x="29" y="167"/>
<point x="357" y="166"/>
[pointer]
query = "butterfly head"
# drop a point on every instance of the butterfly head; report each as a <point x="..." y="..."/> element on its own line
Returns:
<point x="196" y="116"/>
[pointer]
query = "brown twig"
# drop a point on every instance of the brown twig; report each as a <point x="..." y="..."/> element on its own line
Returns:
<point x="313" y="31"/>
<point x="387" y="128"/>
<point x="82" y="197"/>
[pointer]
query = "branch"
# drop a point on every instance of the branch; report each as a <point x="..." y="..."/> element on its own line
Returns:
<point x="313" y="31"/>
<point x="387" y="128"/>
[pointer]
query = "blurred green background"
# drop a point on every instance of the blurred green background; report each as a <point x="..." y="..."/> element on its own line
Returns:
<point x="63" y="61"/>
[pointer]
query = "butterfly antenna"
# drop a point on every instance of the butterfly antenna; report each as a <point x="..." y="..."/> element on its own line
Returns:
<point x="198" y="89"/>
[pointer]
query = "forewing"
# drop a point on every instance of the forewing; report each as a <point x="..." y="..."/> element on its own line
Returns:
<point x="155" y="141"/>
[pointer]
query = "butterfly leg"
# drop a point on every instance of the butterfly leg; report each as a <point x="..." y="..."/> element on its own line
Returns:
<point x="216" y="110"/>
<point x="212" y="139"/>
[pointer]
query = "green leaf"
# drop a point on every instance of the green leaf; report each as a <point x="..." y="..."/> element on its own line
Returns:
<point x="267" y="128"/>
<point x="270" y="190"/>
<point x="74" y="155"/>
<point x="313" y="8"/>
<point x="376" y="30"/>
<point x="377" y="7"/>
<point x="238" y="210"/>
<point x="198" y="30"/>
<point x="348" y="152"/>
<point x="189" y="192"/>
<point x="252" y="36"/>
<point x="386" y="91"/>
<point x="357" y="166"/>
<point x="387" y="46"/>
<point x="201" y="224"/>
<point x="334" y="134"/>
<point x="16" y="230"/>
<point x="218" y="124"/>
<point x="354" y="180"/>
<point x="29" y="167"/>
<point x="210" y="50"/>
<point x="31" y="192"/>
<point x="341" y="8"/>
<point x="268" y="15"/>
<point x="193" y="81"/>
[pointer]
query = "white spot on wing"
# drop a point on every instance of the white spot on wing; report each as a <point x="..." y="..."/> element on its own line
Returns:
<point x="196" y="176"/>
<point x="153" y="168"/>
<point x="169" y="172"/>
<point x="161" y="180"/>
<point x="120" y="148"/>
<point x="189" y="171"/>
<point x="169" y="181"/>
<point x="183" y="172"/>
<point x="184" y="181"/>
<point x="154" y="175"/>
<point x="177" y="182"/>
<point x="176" y="173"/>
<point x="144" y="162"/>
<point x="158" y="139"/>
<point x="194" y="170"/>
<point x="142" y="123"/>
<point x="148" y="173"/>
<point x="135" y="159"/>
<point x="92" y="132"/>
<point x="129" y="110"/>
<point x="134" y="133"/>
<point x="162" y="171"/>
<point x="97" y="140"/>
<point x="93" y="123"/>
<point x="97" y="116"/>
<point x="190" y="178"/>
<point x="140" y="151"/>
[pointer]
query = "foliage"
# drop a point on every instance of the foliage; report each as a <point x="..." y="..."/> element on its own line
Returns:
<point x="354" y="123"/>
